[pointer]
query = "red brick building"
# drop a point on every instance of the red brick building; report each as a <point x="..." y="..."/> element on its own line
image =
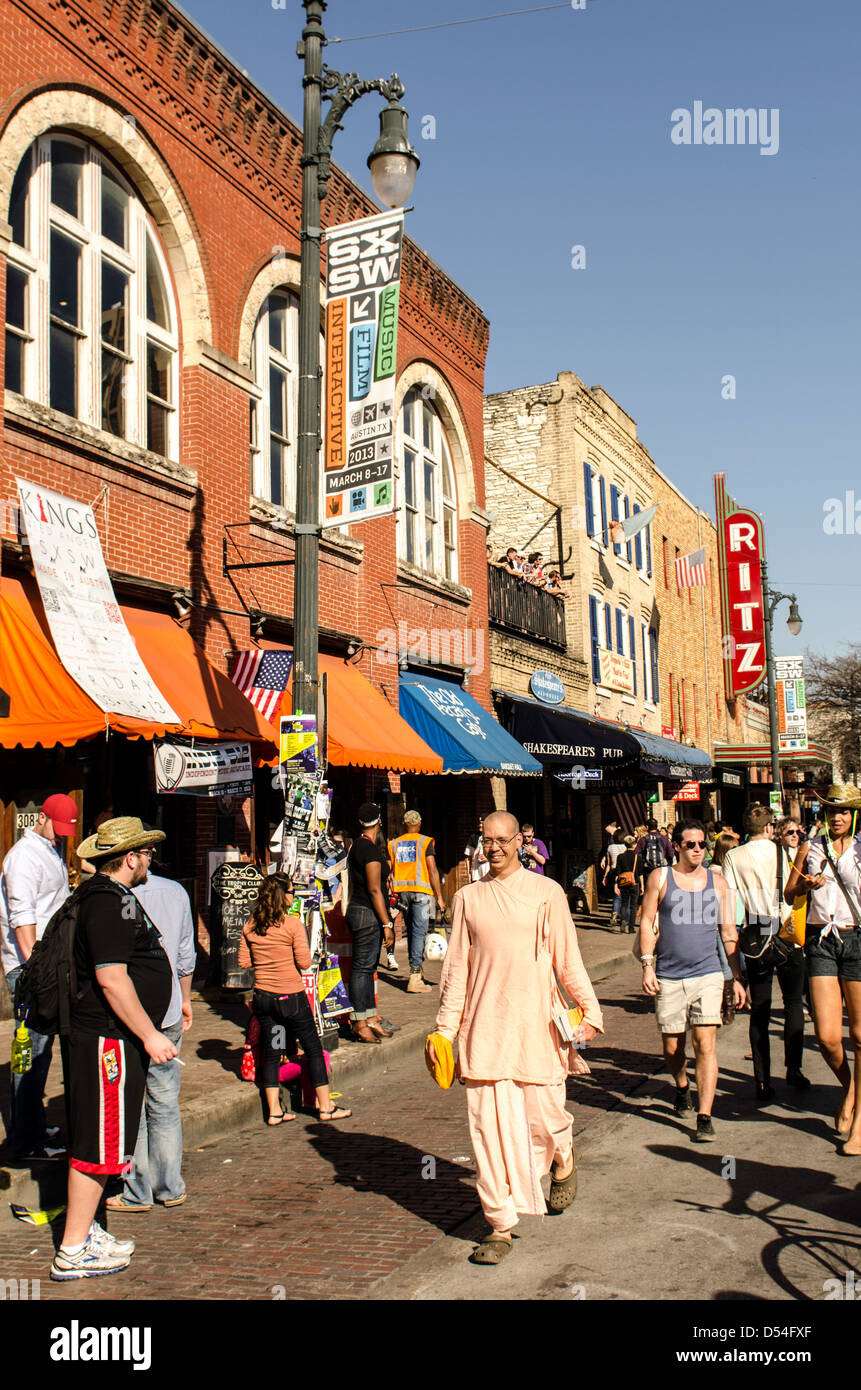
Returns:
<point x="149" y="269"/>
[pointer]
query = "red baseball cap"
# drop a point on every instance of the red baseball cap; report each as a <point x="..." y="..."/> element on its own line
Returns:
<point x="61" y="812"/>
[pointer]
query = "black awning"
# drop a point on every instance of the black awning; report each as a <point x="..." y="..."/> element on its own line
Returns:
<point x="560" y="737"/>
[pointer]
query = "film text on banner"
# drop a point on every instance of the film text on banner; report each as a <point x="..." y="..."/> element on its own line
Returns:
<point x="86" y="624"/>
<point x="791" y="703"/>
<point x="363" y="272"/>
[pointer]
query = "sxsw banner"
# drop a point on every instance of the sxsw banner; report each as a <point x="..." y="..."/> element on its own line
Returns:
<point x="363" y="271"/>
<point x="740" y="552"/>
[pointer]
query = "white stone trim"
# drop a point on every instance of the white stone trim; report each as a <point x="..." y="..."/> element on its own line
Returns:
<point x="423" y="373"/>
<point x="121" y="138"/>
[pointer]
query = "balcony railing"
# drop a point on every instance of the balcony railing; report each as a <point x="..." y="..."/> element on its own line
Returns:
<point x="520" y="607"/>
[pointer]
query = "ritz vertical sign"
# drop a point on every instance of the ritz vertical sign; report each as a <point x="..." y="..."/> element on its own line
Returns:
<point x="363" y="271"/>
<point x="740" y="553"/>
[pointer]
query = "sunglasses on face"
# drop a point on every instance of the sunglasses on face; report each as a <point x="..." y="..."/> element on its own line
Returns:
<point x="693" y="844"/>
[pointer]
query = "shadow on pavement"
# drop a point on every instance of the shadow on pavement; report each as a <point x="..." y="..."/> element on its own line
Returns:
<point x="430" y="1188"/>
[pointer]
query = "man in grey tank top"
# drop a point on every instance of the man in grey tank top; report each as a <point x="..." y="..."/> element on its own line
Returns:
<point x="687" y="931"/>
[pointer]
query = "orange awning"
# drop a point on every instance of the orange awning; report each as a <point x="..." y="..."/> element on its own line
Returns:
<point x="364" y="729"/>
<point x="49" y="707"/>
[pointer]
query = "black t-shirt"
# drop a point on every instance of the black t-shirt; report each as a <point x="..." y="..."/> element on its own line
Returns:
<point x="363" y="852"/>
<point x="629" y="863"/>
<point x="113" y="930"/>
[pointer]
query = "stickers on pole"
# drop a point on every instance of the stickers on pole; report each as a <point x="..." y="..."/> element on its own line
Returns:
<point x="86" y="623"/>
<point x="363" y="271"/>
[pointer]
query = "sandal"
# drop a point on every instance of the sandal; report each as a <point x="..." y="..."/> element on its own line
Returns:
<point x="564" y="1190"/>
<point x="492" y="1249"/>
<point x="280" y="1119"/>
<point x="336" y="1113"/>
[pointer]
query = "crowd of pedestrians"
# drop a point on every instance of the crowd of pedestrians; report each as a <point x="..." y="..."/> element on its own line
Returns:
<point x="718" y="919"/>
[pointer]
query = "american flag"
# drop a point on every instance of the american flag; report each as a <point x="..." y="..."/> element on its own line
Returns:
<point x="691" y="570"/>
<point x="262" y="677"/>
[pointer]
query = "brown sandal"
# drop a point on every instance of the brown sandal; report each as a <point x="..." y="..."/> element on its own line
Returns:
<point x="491" y="1251"/>
<point x="564" y="1190"/>
<point x="364" y="1034"/>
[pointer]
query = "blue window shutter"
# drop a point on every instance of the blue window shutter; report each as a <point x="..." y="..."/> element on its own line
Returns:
<point x="645" y="667"/>
<point x="593" y="634"/>
<point x="649" y="549"/>
<point x="653" y="643"/>
<point x="620" y="635"/>
<point x="632" y="637"/>
<point x="590" y="511"/>
<point x="627" y="543"/>
<point x="608" y="627"/>
<point x="614" y="514"/>
<point x="605" y="536"/>
<point x="638" y="542"/>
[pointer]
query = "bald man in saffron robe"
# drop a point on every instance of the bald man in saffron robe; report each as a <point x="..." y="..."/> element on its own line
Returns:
<point x="510" y="932"/>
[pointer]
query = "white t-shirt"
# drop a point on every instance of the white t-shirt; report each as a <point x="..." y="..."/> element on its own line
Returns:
<point x="33" y="884"/>
<point x="751" y="870"/>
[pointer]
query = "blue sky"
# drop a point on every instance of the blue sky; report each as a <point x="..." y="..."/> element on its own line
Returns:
<point x="552" y="130"/>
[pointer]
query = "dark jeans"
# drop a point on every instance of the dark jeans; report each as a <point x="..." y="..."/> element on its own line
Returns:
<point x="280" y="1015"/>
<point x="628" y="910"/>
<point x="367" y="935"/>
<point x="27" y="1128"/>
<point x="790" y="977"/>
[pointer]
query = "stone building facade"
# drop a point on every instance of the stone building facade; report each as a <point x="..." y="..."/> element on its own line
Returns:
<point x="563" y="460"/>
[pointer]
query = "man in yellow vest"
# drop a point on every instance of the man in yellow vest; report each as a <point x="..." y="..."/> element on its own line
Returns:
<point x="416" y="883"/>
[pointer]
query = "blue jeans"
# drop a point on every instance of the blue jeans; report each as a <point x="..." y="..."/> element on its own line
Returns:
<point x="157" y="1166"/>
<point x="27" y="1126"/>
<point x="367" y="933"/>
<point x="416" y="908"/>
<point x="617" y="902"/>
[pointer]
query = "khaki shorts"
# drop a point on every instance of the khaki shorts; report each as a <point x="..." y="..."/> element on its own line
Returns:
<point x="683" y="1004"/>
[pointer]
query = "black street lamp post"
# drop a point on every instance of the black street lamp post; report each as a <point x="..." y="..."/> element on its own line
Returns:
<point x="770" y="600"/>
<point x="393" y="164"/>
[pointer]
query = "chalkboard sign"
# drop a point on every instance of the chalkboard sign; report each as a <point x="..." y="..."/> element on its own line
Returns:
<point x="235" y="889"/>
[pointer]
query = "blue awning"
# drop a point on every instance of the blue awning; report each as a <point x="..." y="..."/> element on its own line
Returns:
<point x="665" y="758"/>
<point x="466" y="736"/>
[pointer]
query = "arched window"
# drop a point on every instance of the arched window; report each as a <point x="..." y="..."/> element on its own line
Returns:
<point x="274" y="362"/>
<point x="427" y="521"/>
<point x="91" y="328"/>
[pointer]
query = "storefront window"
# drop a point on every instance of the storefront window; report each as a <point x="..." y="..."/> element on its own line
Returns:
<point x="275" y="358"/>
<point x="427" y="521"/>
<point x="88" y="278"/>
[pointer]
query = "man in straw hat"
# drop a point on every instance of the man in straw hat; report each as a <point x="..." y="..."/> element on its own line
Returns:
<point x="828" y="867"/>
<point x="510" y="932"/>
<point x="124" y="988"/>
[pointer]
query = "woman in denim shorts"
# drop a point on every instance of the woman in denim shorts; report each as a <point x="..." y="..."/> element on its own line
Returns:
<point x="833" y="945"/>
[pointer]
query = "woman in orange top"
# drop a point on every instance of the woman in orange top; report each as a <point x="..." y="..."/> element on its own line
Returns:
<point x="275" y="944"/>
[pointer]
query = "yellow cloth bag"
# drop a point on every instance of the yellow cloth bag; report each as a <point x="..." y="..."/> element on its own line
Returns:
<point x="442" y="1070"/>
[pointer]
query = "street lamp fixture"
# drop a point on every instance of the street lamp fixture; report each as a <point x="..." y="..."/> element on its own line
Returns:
<point x="793" y="622"/>
<point x="393" y="161"/>
<point x="770" y="599"/>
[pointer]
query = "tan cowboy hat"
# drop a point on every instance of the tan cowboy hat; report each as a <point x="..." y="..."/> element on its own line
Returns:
<point x="118" y="836"/>
<point x="842" y="797"/>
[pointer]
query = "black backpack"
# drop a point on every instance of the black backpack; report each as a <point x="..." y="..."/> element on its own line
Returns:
<point x="48" y="981"/>
<point x="653" y="851"/>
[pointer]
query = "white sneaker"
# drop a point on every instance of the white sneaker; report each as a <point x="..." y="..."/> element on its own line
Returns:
<point x="93" y="1259"/>
<point x="391" y="962"/>
<point x="109" y="1243"/>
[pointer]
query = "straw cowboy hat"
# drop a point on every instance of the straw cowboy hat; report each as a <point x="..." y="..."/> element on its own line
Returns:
<point x="118" y="836"/>
<point x="842" y="797"/>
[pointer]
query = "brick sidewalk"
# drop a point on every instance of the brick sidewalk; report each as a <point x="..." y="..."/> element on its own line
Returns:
<point x="214" y="1100"/>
